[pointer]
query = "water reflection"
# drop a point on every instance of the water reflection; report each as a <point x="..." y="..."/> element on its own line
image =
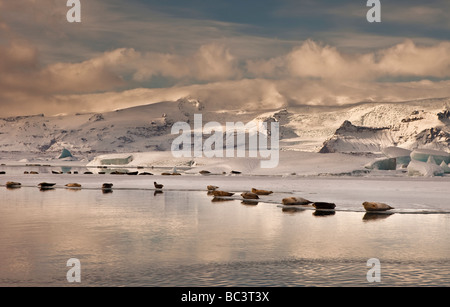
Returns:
<point x="292" y="209"/>
<point x="373" y="216"/>
<point x="184" y="239"/>
<point x="249" y="203"/>
<point x="220" y="199"/>
<point x="66" y="169"/>
<point x="324" y="212"/>
<point x="12" y="188"/>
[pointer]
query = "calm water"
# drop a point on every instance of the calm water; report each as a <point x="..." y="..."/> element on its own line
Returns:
<point x="137" y="238"/>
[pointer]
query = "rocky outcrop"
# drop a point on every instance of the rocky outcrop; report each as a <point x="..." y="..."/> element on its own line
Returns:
<point x="351" y="138"/>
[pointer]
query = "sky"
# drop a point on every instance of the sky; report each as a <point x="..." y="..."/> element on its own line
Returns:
<point x="230" y="54"/>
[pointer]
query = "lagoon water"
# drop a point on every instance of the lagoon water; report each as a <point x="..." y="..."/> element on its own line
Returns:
<point x="182" y="238"/>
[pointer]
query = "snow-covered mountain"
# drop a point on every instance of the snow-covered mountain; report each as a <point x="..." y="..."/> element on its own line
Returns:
<point x="366" y="127"/>
<point x="418" y="124"/>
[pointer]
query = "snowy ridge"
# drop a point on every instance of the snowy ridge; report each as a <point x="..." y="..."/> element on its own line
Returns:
<point x="409" y="125"/>
<point x="367" y="127"/>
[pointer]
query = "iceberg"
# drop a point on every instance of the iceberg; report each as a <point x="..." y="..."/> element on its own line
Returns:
<point x="383" y="164"/>
<point x="403" y="156"/>
<point x="423" y="155"/>
<point x="394" y="152"/>
<point x="445" y="167"/>
<point x="112" y="159"/>
<point x="65" y="154"/>
<point x="419" y="168"/>
<point x="432" y="160"/>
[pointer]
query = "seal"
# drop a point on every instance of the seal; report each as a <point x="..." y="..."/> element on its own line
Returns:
<point x="249" y="195"/>
<point x="46" y="185"/>
<point x="324" y="205"/>
<point x="222" y="193"/>
<point x="261" y="192"/>
<point x="73" y="185"/>
<point x="107" y="186"/>
<point x="374" y="206"/>
<point x="13" y="185"/>
<point x="295" y="201"/>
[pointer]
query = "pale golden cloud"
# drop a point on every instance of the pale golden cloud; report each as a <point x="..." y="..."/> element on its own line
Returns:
<point x="315" y="60"/>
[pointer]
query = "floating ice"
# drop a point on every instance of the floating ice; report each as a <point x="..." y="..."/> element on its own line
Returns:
<point x="383" y="164"/>
<point x="394" y="152"/>
<point x="419" y="168"/>
<point x="113" y="159"/>
<point x="403" y="156"/>
<point x="431" y="160"/>
<point x="423" y="155"/>
<point x="65" y="154"/>
<point x="445" y="167"/>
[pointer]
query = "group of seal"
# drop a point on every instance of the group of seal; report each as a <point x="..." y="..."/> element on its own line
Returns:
<point x="106" y="187"/>
<point x="248" y="197"/>
<point x="255" y="193"/>
<point x="299" y="201"/>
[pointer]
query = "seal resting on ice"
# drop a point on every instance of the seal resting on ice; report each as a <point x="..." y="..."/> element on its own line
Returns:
<point x="249" y="195"/>
<point x="13" y="185"/>
<point x="46" y="185"/>
<point x="324" y="205"/>
<point x="290" y="201"/>
<point x="73" y="185"/>
<point x="107" y="186"/>
<point x="222" y="193"/>
<point x="374" y="206"/>
<point x="261" y="192"/>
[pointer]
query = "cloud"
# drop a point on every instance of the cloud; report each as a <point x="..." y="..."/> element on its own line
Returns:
<point x="315" y="60"/>
<point x="257" y="94"/>
<point x="211" y="62"/>
<point x="310" y="74"/>
<point x="408" y="59"/>
<point x="119" y="54"/>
